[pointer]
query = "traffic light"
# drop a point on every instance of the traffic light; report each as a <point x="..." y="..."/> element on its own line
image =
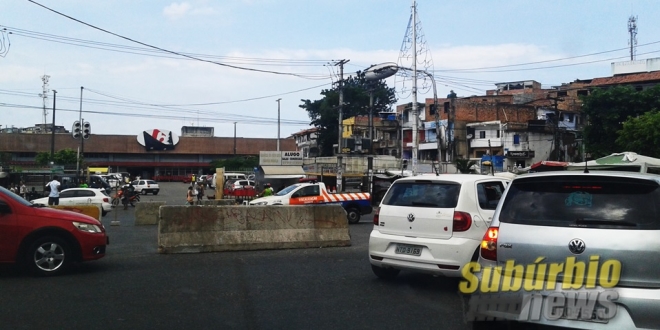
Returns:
<point x="86" y="130"/>
<point x="404" y="164"/>
<point x="75" y="131"/>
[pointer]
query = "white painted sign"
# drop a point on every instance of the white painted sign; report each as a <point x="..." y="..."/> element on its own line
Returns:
<point x="285" y="158"/>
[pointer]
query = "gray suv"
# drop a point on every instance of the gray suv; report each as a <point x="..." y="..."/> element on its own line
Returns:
<point x="571" y="249"/>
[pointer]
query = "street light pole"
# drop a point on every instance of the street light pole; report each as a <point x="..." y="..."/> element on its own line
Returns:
<point x="80" y="137"/>
<point x="278" y="124"/>
<point x="52" y="129"/>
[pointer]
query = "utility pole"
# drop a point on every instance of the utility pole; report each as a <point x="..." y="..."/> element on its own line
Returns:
<point x="278" y="139"/>
<point x="278" y="125"/>
<point x="371" y="118"/>
<point x="341" y="129"/>
<point x="451" y="117"/>
<point x="415" y="111"/>
<point x="556" y="137"/>
<point x="492" y="161"/>
<point x="52" y="129"/>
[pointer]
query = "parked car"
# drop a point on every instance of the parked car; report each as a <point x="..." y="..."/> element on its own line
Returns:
<point x="433" y="224"/>
<point x="97" y="181"/>
<point x="75" y="196"/>
<point x="47" y="240"/>
<point x="586" y="220"/>
<point x="146" y="186"/>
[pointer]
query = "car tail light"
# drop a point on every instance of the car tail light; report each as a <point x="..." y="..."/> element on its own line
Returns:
<point x="376" y="217"/>
<point x="462" y="221"/>
<point x="489" y="244"/>
<point x="106" y="200"/>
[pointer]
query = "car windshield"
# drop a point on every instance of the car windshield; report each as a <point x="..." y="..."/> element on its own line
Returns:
<point x="423" y="193"/>
<point x="583" y="201"/>
<point x="14" y="196"/>
<point x="287" y="190"/>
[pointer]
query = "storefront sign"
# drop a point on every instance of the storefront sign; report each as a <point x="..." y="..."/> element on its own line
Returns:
<point x="520" y="154"/>
<point x="286" y="158"/>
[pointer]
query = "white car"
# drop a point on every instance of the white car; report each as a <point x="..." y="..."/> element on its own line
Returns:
<point x="240" y="184"/>
<point x="77" y="196"/>
<point x="433" y="224"/>
<point x="146" y="186"/>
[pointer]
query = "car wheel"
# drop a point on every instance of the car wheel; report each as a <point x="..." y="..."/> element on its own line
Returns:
<point x="48" y="256"/>
<point x="353" y="215"/>
<point x="143" y="192"/>
<point x="385" y="273"/>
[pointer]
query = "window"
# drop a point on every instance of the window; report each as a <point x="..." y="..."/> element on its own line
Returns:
<point x="498" y="133"/>
<point x="67" y="194"/>
<point x="489" y="194"/>
<point x="85" y="193"/>
<point x="311" y="190"/>
<point x="516" y="139"/>
<point x="583" y="201"/>
<point x="422" y="193"/>
<point x="482" y="134"/>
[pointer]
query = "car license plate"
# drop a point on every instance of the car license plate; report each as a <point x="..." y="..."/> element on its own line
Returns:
<point x="413" y="250"/>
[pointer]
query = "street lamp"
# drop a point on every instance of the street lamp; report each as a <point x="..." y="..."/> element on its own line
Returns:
<point x="384" y="70"/>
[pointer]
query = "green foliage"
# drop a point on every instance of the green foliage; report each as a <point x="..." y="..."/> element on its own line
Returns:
<point x="641" y="135"/>
<point x="608" y="109"/>
<point x="324" y="113"/>
<point x="62" y="157"/>
<point x="464" y="165"/>
<point x="235" y="163"/>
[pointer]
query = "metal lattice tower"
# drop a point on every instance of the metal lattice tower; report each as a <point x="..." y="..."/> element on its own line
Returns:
<point x="632" y="30"/>
<point x="44" y="96"/>
<point x="414" y="49"/>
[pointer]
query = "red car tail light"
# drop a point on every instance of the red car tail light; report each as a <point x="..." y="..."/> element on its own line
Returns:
<point x="489" y="244"/>
<point x="462" y="221"/>
<point x="106" y="200"/>
<point x="376" y="217"/>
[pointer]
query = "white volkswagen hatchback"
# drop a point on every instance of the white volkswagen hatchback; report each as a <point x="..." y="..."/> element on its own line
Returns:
<point x="77" y="196"/>
<point x="433" y="224"/>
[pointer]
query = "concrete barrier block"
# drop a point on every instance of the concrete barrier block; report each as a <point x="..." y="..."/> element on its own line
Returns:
<point x="191" y="229"/>
<point x="217" y="202"/>
<point x="146" y="213"/>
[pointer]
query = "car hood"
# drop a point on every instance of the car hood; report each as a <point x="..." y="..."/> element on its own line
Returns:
<point x="48" y="212"/>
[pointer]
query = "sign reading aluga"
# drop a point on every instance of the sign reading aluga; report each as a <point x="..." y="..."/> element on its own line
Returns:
<point x="292" y="158"/>
<point x="285" y="158"/>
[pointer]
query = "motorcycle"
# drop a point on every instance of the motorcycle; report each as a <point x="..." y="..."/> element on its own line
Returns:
<point x="126" y="196"/>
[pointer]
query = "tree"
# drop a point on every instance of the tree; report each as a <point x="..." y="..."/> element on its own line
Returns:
<point x="608" y="109"/>
<point x="324" y="113"/>
<point x="235" y="163"/>
<point x="62" y="157"/>
<point x="464" y="165"/>
<point x="641" y="134"/>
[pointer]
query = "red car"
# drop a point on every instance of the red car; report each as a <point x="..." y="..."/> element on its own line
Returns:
<point x="46" y="240"/>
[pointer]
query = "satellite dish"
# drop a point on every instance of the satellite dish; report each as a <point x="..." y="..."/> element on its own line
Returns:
<point x="381" y="71"/>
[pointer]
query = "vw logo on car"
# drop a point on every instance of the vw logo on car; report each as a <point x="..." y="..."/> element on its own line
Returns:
<point x="576" y="246"/>
<point x="411" y="217"/>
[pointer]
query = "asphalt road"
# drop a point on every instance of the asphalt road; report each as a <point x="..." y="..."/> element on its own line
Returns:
<point x="134" y="287"/>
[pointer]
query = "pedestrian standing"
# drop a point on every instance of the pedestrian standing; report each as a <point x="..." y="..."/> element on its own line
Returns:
<point x="54" y="195"/>
<point x="200" y="193"/>
<point x="189" y="196"/>
<point x="23" y="190"/>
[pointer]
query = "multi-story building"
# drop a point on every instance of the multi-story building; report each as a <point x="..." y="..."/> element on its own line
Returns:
<point x="306" y="141"/>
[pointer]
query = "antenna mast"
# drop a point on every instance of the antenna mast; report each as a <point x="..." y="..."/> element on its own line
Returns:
<point x="44" y="96"/>
<point x="632" y="29"/>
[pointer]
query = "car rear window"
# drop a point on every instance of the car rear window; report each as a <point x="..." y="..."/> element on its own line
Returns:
<point x="423" y="193"/>
<point x="583" y="201"/>
<point x="151" y="182"/>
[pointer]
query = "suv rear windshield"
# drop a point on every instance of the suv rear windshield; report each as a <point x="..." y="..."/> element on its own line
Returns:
<point x="583" y="201"/>
<point x="423" y="193"/>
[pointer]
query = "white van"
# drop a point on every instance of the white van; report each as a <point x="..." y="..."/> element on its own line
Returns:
<point x="229" y="176"/>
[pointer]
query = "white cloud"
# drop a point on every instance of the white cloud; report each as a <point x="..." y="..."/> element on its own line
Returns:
<point x="176" y="10"/>
<point x="179" y="10"/>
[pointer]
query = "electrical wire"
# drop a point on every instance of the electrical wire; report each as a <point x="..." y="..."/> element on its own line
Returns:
<point x="166" y="50"/>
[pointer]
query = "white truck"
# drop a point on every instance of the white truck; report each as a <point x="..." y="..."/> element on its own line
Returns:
<point x="355" y="204"/>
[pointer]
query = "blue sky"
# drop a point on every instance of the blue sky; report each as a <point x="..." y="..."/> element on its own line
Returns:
<point x="126" y="93"/>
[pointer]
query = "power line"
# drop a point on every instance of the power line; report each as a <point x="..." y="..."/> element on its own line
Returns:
<point x="166" y="50"/>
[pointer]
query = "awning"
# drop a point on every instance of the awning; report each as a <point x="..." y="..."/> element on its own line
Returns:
<point x="283" y="172"/>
